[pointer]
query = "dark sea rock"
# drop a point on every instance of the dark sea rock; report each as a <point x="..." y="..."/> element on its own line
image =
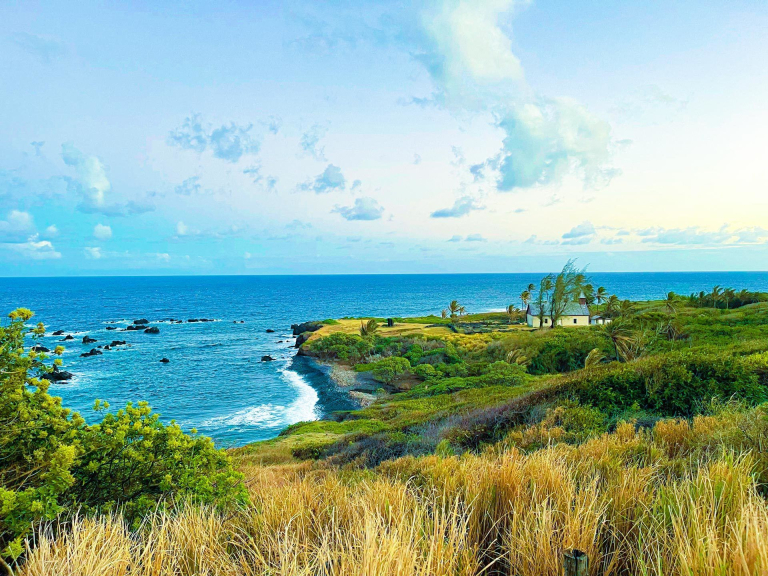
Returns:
<point x="58" y="375"/>
<point x="68" y="337"/>
<point x="88" y="340"/>
<point x="117" y="343"/>
<point x="39" y="348"/>
<point x="164" y="360"/>
<point x="141" y="321"/>
<point x="152" y="330"/>
<point x="111" y="328"/>
<point x="193" y="320"/>
<point x="270" y="331"/>
<point x="92" y="352"/>
<point x="57" y="333"/>
<point x="305" y="327"/>
<point x="267" y="359"/>
<point x="134" y="327"/>
<point x="301" y="338"/>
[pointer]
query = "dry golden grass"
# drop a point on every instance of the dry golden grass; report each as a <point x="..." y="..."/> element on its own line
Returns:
<point x="679" y="500"/>
<point x="352" y="326"/>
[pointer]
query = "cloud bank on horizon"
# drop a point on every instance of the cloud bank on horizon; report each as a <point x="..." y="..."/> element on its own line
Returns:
<point x="433" y="135"/>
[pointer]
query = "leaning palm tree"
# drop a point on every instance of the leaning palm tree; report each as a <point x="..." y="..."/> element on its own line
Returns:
<point x="620" y="336"/>
<point x="715" y="295"/>
<point x="462" y="311"/>
<point x="454" y="308"/>
<point x="444" y="313"/>
<point x="368" y="328"/>
<point x="525" y="297"/>
<point x="516" y="356"/>
<point x="611" y="306"/>
<point x="728" y="295"/>
<point x="601" y="294"/>
<point x="670" y="303"/>
<point x="594" y="358"/>
<point x="626" y="309"/>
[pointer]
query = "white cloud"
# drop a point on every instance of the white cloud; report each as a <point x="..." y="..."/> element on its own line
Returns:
<point x="102" y="232"/>
<point x="310" y="142"/>
<point x="363" y="209"/>
<point x="228" y="142"/>
<point x="181" y="229"/>
<point x="461" y="207"/>
<point x="331" y="179"/>
<point x="35" y="249"/>
<point x="584" y="229"/>
<point x="163" y="256"/>
<point x="93" y="252"/>
<point x="51" y="232"/>
<point x="16" y="227"/>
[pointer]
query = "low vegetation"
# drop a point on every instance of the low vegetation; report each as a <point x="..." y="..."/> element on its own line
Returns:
<point x="489" y="449"/>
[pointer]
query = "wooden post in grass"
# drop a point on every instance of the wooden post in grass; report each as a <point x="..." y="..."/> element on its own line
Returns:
<point x="575" y="563"/>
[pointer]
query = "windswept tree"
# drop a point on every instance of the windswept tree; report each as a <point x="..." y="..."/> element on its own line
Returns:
<point x="444" y="313"/>
<point x="454" y="308"/>
<point x="542" y="298"/>
<point x="600" y="295"/>
<point x="368" y="328"/>
<point x="716" y="292"/>
<point x="670" y="303"/>
<point x="566" y="288"/>
<point x="611" y="306"/>
<point x="525" y="297"/>
<point x="620" y="336"/>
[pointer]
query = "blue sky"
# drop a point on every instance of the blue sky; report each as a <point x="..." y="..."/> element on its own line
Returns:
<point x="366" y="137"/>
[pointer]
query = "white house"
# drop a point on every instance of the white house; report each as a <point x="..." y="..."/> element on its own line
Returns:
<point x="575" y="314"/>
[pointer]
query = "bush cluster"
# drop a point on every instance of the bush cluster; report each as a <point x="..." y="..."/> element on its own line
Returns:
<point x="55" y="464"/>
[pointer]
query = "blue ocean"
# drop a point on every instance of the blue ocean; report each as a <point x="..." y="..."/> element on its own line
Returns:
<point x="215" y="380"/>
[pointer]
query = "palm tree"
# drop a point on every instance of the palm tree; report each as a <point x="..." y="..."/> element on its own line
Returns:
<point x="716" y="291"/>
<point x="601" y="294"/>
<point x="516" y="356"/>
<point x="594" y="358"/>
<point x="444" y="313"/>
<point x="368" y="328"/>
<point x="728" y="295"/>
<point x="525" y="297"/>
<point x="454" y="308"/>
<point x="462" y="311"/>
<point x="620" y="336"/>
<point x="626" y="309"/>
<point x="611" y="305"/>
<point x="670" y="303"/>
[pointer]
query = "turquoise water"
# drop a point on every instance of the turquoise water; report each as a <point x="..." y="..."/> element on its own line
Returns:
<point x="215" y="380"/>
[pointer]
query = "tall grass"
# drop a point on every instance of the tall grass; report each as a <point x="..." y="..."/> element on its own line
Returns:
<point x="681" y="499"/>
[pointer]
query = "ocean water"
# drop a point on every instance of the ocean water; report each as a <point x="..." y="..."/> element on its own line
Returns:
<point x="215" y="380"/>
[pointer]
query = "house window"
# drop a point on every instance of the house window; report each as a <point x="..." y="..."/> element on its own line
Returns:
<point x="575" y="320"/>
<point x="546" y="320"/>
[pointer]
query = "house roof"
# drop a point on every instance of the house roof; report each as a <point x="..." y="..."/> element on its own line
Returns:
<point x="571" y="309"/>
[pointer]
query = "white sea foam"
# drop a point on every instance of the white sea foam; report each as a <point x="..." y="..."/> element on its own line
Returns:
<point x="303" y="408"/>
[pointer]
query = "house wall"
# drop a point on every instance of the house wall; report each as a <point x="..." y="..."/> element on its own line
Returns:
<point x="565" y="321"/>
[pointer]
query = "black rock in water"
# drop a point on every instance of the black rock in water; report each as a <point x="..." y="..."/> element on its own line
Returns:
<point x="305" y="327"/>
<point x="117" y="343"/>
<point x="39" y="348"/>
<point x="68" y="337"/>
<point x="270" y="331"/>
<point x="267" y="359"/>
<point x="92" y="352"/>
<point x="88" y="340"/>
<point x="142" y="321"/>
<point x="152" y="330"/>
<point x="57" y="333"/>
<point x="135" y="327"/>
<point x="164" y="360"/>
<point x="111" y="328"/>
<point x="58" y="375"/>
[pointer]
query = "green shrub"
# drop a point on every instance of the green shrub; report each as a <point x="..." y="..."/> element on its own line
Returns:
<point x="504" y="374"/>
<point x="342" y="346"/>
<point x="389" y="369"/>
<point x="424" y="371"/>
<point x="53" y="463"/>
<point x="675" y="383"/>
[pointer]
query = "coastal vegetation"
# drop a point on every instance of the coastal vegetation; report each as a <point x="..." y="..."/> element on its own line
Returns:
<point x="486" y="447"/>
